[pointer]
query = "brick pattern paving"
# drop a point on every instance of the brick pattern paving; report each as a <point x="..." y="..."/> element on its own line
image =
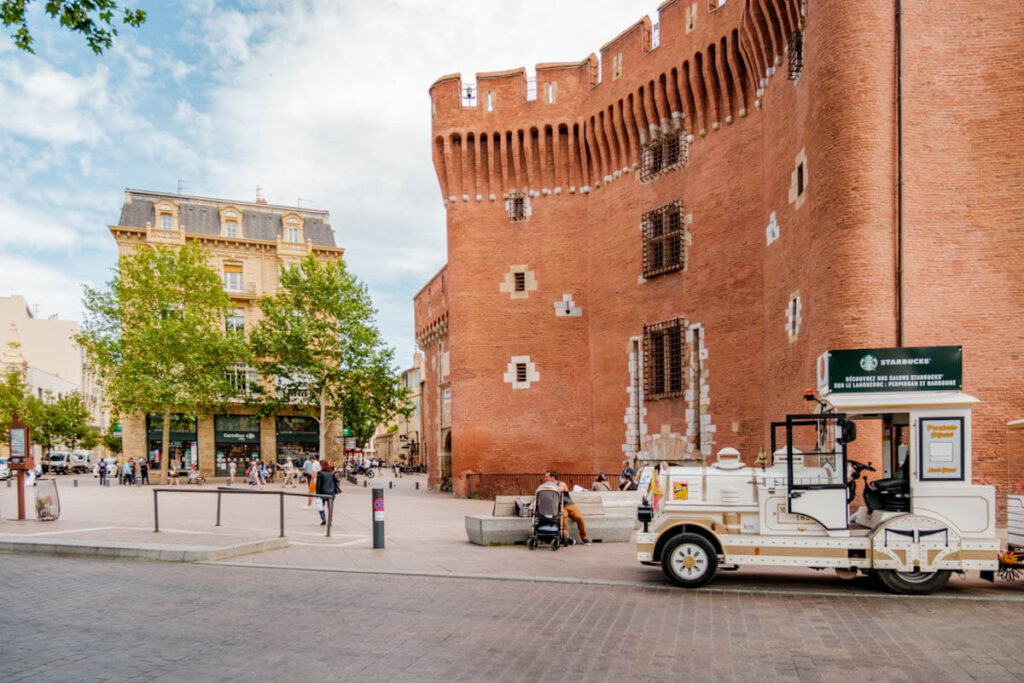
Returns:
<point x="87" y="620"/>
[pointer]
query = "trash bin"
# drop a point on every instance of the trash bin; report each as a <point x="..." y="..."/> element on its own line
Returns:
<point x="47" y="500"/>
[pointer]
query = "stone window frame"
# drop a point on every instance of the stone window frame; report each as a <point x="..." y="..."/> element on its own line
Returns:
<point x="665" y="352"/>
<point x="521" y="372"/>
<point x="508" y="283"/>
<point x="162" y="209"/>
<point x="794" y="316"/>
<point x="231" y="214"/>
<point x="664" y="154"/>
<point x="233" y="268"/>
<point x="290" y="221"/>
<point x="518" y="207"/>
<point x="656" y="236"/>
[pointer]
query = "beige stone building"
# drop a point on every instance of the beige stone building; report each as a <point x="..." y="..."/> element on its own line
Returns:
<point x="401" y="439"/>
<point x="44" y="352"/>
<point x="250" y="242"/>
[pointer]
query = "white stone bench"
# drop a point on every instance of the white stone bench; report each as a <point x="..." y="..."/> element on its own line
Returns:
<point x="608" y="525"/>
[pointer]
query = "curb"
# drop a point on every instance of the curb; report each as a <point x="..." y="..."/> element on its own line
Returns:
<point x="139" y="551"/>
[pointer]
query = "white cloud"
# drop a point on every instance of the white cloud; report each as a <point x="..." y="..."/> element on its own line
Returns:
<point x="321" y="100"/>
<point x="51" y="289"/>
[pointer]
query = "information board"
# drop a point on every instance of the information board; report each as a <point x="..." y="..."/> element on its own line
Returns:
<point x="942" y="448"/>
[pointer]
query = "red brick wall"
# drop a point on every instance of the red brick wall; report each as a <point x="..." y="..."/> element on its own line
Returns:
<point x="837" y="249"/>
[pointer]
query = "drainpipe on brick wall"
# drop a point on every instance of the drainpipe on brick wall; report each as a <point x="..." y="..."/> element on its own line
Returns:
<point x="899" y="172"/>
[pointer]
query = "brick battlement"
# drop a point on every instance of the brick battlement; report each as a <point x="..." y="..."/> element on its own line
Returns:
<point x="587" y="122"/>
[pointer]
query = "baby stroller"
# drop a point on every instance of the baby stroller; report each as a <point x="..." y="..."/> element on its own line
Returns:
<point x="547" y="519"/>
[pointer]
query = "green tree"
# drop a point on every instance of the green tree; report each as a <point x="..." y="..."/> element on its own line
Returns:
<point x="92" y="18"/>
<point x="63" y="422"/>
<point x="318" y="339"/>
<point x="156" y="336"/>
<point x="12" y="398"/>
<point x="112" y="439"/>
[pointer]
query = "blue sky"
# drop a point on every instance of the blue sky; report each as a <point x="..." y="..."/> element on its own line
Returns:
<point x="321" y="103"/>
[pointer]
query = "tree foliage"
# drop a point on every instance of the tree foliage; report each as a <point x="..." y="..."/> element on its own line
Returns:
<point x="92" y="18"/>
<point x="12" y="397"/>
<point x="156" y="335"/>
<point x="318" y="337"/>
<point x="63" y="422"/>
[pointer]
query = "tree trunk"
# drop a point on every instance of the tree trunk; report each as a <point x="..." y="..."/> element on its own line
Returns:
<point x="165" y="449"/>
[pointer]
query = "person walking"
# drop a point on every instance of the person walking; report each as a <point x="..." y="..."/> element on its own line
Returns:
<point x="102" y="465"/>
<point x="327" y="485"/>
<point x="143" y="471"/>
<point x="231" y="473"/>
<point x="129" y="467"/>
<point x="312" y="467"/>
<point x="569" y="509"/>
<point x="172" y="473"/>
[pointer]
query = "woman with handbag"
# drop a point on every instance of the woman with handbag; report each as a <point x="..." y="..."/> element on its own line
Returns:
<point x="326" y="485"/>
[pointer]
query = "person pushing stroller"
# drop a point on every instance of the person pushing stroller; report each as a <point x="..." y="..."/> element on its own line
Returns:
<point x="569" y="509"/>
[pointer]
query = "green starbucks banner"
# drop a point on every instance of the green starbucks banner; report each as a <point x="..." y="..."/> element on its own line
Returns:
<point x="920" y="368"/>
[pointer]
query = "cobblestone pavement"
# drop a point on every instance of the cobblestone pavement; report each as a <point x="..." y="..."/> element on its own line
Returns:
<point x="82" y="620"/>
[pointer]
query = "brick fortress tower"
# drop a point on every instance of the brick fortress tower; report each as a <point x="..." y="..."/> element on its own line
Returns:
<point x="648" y="251"/>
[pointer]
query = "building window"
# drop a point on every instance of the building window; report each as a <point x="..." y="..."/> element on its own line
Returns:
<point x="616" y="66"/>
<point x="794" y="316"/>
<point x="664" y="237"/>
<point x="231" y="228"/>
<point x="520" y="372"/>
<point x="518" y="206"/>
<point x="663" y="359"/>
<point x="232" y="277"/>
<point x="490" y="101"/>
<point x="243" y="379"/>
<point x="166" y="222"/>
<point x="796" y="55"/>
<point x="552" y="92"/>
<point x="663" y="155"/>
<point x="520" y="281"/>
<point x="235" y="321"/>
<point x="293" y="234"/>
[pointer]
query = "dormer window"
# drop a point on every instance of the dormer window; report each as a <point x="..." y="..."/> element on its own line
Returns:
<point x="231" y="222"/>
<point x="166" y="222"/>
<point x="293" y="225"/>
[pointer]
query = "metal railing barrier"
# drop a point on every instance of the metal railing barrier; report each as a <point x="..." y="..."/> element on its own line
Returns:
<point x="329" y="502"/>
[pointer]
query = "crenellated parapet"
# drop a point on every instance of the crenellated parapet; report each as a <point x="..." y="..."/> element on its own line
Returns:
<point x="576" y="126"/>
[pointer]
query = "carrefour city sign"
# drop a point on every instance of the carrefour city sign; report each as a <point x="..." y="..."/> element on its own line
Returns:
<point x="920" y="368"/>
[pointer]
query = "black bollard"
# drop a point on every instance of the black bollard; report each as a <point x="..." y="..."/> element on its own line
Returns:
<point x="378" y="518"/>
<point x="417" y="486"/>
<point x="364" y="483"/>
<point x="391" y="484"/>
<point x="76" y="483"/>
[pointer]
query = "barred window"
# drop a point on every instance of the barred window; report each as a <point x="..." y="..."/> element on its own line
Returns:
<point x="520" y="281"/>
<point x="518" y="206"/>
<point x="664" y="154"/>
<point x="520" y="372"/>
<point x="663" y="359"/>
<point x="664" y="238"/>
<point x="796" y="55"/>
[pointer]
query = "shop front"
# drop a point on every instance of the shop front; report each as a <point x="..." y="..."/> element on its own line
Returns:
<point x="298" y="437"/>
<point x="236" y="439"/>
<point x="183" y="445"/>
